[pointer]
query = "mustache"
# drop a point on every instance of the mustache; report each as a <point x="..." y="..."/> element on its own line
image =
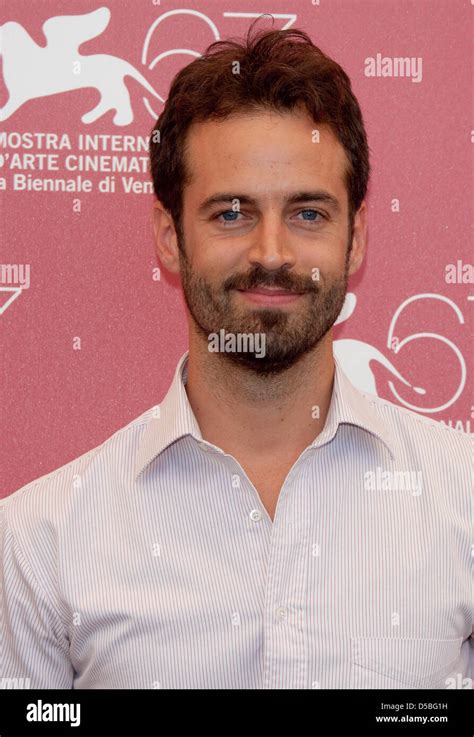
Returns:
<point x="277" y="279"/>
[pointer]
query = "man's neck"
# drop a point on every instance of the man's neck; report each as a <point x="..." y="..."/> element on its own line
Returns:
<point x="246" y="414"/>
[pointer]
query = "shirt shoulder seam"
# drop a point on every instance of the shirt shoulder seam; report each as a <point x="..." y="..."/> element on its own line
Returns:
<point x="39" y="587"/>
<point x="137" y="422"/>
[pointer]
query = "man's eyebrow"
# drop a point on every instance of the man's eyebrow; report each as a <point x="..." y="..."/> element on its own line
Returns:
<point x="319" y="195"/>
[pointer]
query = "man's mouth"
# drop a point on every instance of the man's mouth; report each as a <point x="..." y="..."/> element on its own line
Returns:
<point x="270" y="295"/>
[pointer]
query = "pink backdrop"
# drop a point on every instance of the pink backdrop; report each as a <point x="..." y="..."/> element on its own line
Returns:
<point x="90" y="335"/>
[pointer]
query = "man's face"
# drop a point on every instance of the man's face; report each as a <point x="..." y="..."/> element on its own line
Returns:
<point x="254" y="236"/>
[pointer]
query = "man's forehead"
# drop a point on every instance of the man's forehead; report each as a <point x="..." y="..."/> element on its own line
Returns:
<point x="220" y="151"/>
<point x="262" y="174"/>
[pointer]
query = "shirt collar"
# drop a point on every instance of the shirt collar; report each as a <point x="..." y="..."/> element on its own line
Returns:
<point x="350" y="406"/>
<point x="174" y="417"/>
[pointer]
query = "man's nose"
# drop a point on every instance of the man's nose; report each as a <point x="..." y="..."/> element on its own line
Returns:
<point x="270" y="246"/>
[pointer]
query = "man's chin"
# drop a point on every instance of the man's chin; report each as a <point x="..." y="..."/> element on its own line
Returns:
<point x="264" y="365"/>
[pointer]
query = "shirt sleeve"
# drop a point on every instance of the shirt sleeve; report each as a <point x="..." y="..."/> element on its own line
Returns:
<point x="35" y="647"/>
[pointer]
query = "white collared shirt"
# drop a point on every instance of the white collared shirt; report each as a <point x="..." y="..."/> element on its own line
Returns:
<point x="151" y="562"/>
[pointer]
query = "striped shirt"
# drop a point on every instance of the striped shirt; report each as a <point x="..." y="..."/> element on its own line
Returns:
<point x="151" y="562"/>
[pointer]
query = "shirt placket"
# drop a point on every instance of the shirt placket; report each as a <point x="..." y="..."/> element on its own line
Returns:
<point x="285" y="615"/>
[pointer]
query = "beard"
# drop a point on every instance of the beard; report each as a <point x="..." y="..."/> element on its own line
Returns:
<point x="289" y="333"/>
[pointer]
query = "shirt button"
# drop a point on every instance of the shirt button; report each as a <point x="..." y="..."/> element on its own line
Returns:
<point x="255" y="515"/>
<point x="282" y="612"/>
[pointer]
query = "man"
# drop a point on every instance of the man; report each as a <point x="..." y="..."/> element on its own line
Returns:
<point x="267" y="525"/>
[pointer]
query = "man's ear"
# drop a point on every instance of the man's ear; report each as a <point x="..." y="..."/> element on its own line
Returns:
<point x="166" y="241"/>
<point x="359" y="239"/>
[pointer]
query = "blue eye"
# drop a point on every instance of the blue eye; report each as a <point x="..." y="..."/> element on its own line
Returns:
<point x="311" y="212"/>
<point x="232" y="213"/>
